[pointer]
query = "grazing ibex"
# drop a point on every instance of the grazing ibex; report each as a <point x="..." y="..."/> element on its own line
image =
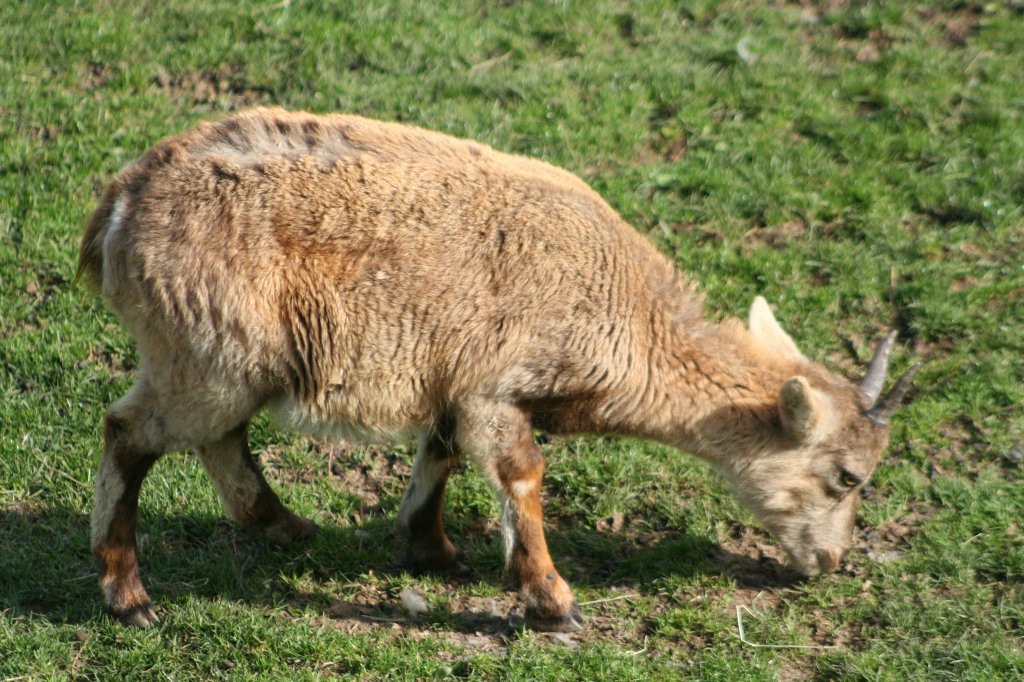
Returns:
<point x="374" y="280"/>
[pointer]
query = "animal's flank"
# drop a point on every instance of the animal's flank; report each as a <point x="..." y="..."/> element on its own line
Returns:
<point x="309" y="329"/>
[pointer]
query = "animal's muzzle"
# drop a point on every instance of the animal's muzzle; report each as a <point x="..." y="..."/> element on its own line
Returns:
<point x="828" y="559"/>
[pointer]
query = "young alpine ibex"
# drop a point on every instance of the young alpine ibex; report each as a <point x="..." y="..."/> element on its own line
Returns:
<point x="374" y="280"/>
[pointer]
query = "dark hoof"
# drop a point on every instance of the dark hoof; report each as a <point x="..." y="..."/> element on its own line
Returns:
<point x="452" y="567"/>
<point x="456" y="569"/>
<point x="573" y="621"/>
<point x="141" y="616"/>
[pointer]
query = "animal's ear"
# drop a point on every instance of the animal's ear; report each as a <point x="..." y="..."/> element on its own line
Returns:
<point x="766" y="329"/>
<point x="799" y="409"/>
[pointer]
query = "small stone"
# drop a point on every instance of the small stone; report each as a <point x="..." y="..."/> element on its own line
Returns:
<point x="887" y="556"/>
<point x="867" y="54"/>
<point x="744" y="52"/>
<point x="809" y="16"/>
<point x="565" y="640"/>
<point x="611" y="524"/>
<point x="162" y="77"/>
<point x="414" y="602"/>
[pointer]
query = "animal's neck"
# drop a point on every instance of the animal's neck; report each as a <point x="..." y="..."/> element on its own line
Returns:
<point x="708" y="390"/>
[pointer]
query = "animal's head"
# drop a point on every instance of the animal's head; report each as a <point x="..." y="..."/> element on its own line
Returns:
<point x="827" y="437"/>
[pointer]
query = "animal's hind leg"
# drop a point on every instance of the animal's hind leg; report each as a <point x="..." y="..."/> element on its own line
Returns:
<point x="245" y="493"/>
<point x="132" y="443"/>
<point x="420" y="517"/>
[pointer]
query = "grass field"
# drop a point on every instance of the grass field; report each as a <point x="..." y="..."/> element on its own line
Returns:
<point x="860" y="164"/>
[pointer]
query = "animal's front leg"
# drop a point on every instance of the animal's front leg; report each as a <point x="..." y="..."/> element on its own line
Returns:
<point x="499" y="437"/>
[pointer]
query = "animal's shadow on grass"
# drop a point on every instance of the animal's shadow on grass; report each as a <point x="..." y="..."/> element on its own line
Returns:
<point x="348" y="573"/>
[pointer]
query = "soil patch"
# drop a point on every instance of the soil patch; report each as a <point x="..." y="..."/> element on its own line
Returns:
<point x="224" y="87"/>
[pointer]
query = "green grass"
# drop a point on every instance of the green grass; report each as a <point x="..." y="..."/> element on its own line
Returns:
<point x="863" y="169"/>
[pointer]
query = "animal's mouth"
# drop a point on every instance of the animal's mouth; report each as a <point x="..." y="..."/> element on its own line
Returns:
<point x="815" y="562"/>
<point x="806" y="568"/>
<point x="829" y="559"/>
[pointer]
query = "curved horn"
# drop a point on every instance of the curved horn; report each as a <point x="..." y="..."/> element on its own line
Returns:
<point x="883" y="409"/>
<point x="871" y="384"/>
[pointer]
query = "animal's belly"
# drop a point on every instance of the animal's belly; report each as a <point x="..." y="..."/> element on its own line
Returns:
<point x="370" y="420"/>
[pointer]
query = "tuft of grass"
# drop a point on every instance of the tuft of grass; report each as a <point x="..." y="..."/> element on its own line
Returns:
<point x="859" y="164"/>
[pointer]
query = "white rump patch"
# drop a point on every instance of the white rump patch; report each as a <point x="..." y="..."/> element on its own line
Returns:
<point x="114" y="221"/>
<point x="114" y="224"/>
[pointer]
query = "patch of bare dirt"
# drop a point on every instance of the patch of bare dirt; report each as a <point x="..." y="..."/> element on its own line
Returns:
<point x="756" y="563"/>
<point x="666" y="144"/>
<point x="668" y="141"/>
<point x="113" y="361"/>
<point x="31" y="508"/>
<point x="794" y="668"/>
<point x="46" y="285"/>
<point x="966" y="437"/>
<point x="963" y="284"/>
<point x="827" y="5"/>
<point x="954" y="26"/>
<point x="697" y="233"/>
<point x="888" y="542"/>
<point x="865" y="49"/>
<point x="996" y="304"/>
<point x="849" y="360"/>
<point x="610" y="524"/>
<point x="927" y="349"/>
<point x="37" y="293"/>
<point x="480" y="528"/>
<point x="224" y="87"/>
<point x="958" y="26"/>
<point x="98" y="74"/>
<point x="774" y="236"/>
<point x="863" y="44"/>
<point x="857" y="349"/>
<point x="367" y="472"/>
<point x="44" y="133"/>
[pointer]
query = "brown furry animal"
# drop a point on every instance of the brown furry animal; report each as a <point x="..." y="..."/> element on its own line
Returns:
<point x="373" y="280"/>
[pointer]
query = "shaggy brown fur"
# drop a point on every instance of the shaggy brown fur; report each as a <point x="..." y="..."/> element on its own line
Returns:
<point x="368" y="279"/>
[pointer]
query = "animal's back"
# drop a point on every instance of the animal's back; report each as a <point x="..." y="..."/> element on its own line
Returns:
<point x="370" y="272"/>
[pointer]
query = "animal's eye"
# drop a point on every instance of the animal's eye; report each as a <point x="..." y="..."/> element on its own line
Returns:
<point x="849" y="480"/>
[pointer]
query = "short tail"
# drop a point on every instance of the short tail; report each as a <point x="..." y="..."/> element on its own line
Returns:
<point x="90" y="251"/>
